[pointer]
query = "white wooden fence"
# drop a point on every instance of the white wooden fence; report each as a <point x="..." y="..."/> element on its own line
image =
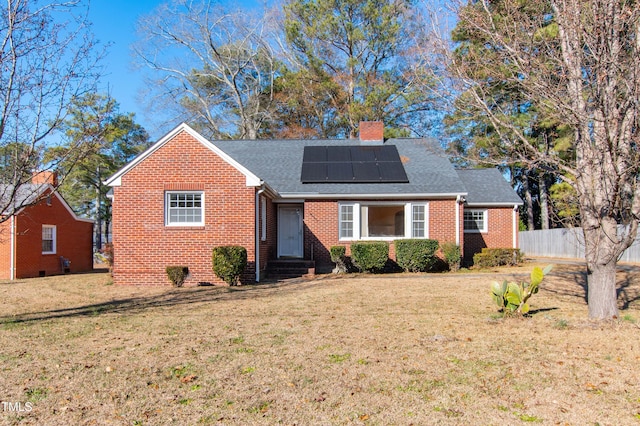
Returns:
<point x="565" y="243"/>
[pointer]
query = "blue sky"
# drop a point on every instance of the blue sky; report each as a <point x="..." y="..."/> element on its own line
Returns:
<point x="114" y="23"/>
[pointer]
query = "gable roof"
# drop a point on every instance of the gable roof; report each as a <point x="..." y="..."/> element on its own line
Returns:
<point x="251" y="179"/>
<point x="488" y="187"/>
<point x="279" y="163"/>
<point x="28" y="194"/>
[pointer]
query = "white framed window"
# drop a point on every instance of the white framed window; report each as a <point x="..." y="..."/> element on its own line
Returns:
<point x="346" y="221"/>
<point x="475" y="220"/>
<point x="184" y="208"/>
<point x="418" y="220"/>
<point x="48" y="239"/>
<point x="382" y="221"/>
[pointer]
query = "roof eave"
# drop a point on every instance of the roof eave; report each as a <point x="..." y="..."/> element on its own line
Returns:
<point x="495" y="204"/>
<point x="384" y="196"/>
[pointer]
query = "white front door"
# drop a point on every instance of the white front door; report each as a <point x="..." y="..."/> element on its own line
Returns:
<point x="290" y="231"/>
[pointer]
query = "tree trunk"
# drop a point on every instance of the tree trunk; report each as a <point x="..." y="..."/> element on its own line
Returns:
<point x="601" y="253"/>
<point x="528" y="200"/>
<point x="601" y="293"/>
<point x="544" y="201"/>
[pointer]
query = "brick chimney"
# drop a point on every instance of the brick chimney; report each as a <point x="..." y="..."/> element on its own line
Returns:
<point x="39" y="178"/>
<point x="371" y="132"/>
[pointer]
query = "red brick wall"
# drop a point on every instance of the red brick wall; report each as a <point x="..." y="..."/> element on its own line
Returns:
<point x="5" y="247"/>
<point x="73" y="241"/>
<point x="144" y="246"/>
<point x="499" y="235"/>
<point x="321" y="228"/>
<point x="371" y="130"/>
<point x="442" y="220"/>
<point x="268" y="248"/>
<point x="320" y="231"/>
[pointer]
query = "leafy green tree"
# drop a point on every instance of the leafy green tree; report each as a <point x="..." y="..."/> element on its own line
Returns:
<point x="114" y="140"/>
<point x="364" y="52"/>
<point x="306" y="105"/>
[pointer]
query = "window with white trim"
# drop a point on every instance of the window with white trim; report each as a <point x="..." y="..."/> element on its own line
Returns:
<point x="475" y="220"/>
<point x="382" y="221"/>
<point x="184" y="208"/>
<point x="346" y="221"/>
<point x="48" y="239"/>
<point x="419" y="221"/>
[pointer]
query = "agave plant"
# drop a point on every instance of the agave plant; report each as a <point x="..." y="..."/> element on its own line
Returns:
<point x="512" y="297"/>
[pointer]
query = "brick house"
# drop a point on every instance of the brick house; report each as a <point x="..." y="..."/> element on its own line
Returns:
<point x="45" y="237"/>
<point x="294" y="199"/>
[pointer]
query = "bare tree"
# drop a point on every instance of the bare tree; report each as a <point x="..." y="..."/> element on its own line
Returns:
<point x="578" y="62"/>
<point x="214" y="67"/>
<point x="47" y="57"/>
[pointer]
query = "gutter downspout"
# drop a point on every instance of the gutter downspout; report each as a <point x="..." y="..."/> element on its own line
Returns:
<point x="515" y="226"/>
<point x="257" y="233"/>
<point x="12" y="250"/>
<point x="459" y="200"/>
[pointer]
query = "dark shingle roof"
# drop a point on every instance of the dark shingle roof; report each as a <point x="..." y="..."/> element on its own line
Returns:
<point x="25" y="194"/>
<point x="278" y="163"/>
<point x="487" y="186"/>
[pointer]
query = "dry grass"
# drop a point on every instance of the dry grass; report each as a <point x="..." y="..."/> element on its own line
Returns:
<point x="374" y="350"/>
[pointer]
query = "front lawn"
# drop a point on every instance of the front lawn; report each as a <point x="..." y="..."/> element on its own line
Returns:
<point x="363" y="349"/>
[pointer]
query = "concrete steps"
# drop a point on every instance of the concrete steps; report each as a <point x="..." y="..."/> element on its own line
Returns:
<point x="282" y="269"/>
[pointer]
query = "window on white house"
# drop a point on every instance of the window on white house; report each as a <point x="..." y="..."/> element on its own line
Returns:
<point x="475" y="221"/>
<point x="382" y="221"/>
<point x="48" y="239"/>
<point x="184" y="208"/>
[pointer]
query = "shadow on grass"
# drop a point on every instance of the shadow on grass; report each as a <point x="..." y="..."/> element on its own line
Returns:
<point x="541" y="310"/>
<point x="627" y="285"/>
<point x="171" y="298"/>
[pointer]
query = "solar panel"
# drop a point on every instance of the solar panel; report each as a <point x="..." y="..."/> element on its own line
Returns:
<point x="387" y="153"/>
<point x="389" y="171"/>
<point x="366" y="172"/>
<point x="352" y="164"/>
<point x="314" y="172"/>
<point x="339" y="171"/>
<point x="338" y="153"/>
<point x="364" y="154"/>
<point x="314" y="154"/>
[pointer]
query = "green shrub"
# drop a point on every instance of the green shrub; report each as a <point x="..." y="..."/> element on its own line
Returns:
<point x="512" y="297"/>
<point x="490" y="258"/>
<point x="416" y="255"/>
<point x="370" y="256"/>
<point x="337" y="252"/>
<point x="229" y="262"/>
<point x="177" y="274"/>
<point x="452" y="255"/>
<point x="338" y="256"/>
